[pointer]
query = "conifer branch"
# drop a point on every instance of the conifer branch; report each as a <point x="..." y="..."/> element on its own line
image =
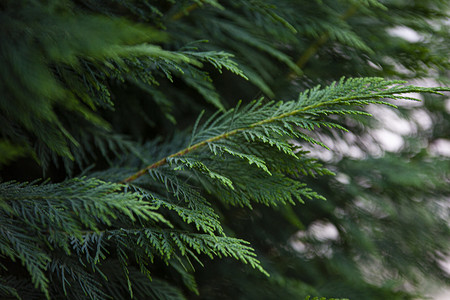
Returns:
<point x="187" y="150"/>
<point x="381" y="89"/>
<point x="76" y="75"/>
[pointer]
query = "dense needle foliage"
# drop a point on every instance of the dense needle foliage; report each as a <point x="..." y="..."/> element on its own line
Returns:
<point x="175" y="149"/>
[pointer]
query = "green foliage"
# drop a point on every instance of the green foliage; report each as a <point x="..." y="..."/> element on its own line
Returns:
<point x="322" y="298"/>
<point x="165" y="179"/>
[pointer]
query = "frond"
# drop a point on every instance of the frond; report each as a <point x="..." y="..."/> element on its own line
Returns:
<point x="57" y="215"/>
<point x="197" y="210"/>
<point x="6" y="290"/>
<point x="142" y="287"/>
<point x="170" y="243"/>
<point x="76" y="281"/>
<point x="17" y="244"/>
<point x="259" y="133"/>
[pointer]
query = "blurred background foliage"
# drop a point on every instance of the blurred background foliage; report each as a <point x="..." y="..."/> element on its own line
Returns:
<point x="82" y="81"/>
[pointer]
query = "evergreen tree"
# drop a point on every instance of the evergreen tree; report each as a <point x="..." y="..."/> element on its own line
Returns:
<point x="174" y="149"/>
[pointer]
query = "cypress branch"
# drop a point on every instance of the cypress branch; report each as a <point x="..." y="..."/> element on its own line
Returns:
<point x="81" y="81"/>
<point x="368" y="91"/>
